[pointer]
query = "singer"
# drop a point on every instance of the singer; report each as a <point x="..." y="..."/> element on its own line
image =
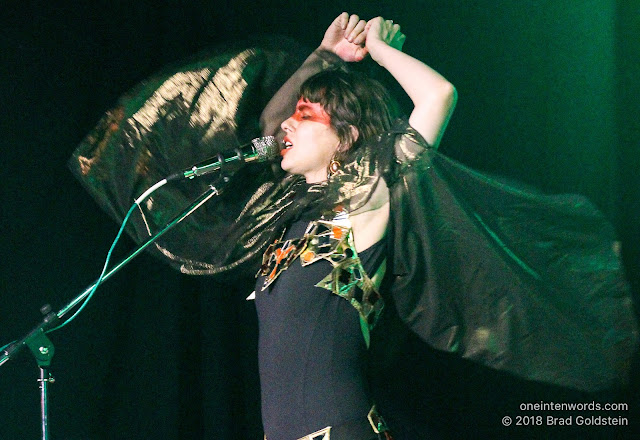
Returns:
<point x="369" y="235"/>
<point x="318" y="291"/>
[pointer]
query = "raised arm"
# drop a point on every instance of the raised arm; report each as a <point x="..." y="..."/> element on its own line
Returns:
<point x="343" y="40"/>
<point x="433" y="97"/>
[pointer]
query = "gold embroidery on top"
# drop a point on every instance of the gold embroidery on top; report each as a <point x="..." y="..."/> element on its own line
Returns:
<point x="330" y="240"/>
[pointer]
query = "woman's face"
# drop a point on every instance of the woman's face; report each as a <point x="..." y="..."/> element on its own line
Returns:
<point x="310" y="142"/>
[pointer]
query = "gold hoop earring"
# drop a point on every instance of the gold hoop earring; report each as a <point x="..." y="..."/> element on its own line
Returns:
<point x="333" y="168"/>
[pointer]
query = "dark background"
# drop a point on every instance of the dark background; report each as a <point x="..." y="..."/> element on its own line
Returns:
<point x="548" y="95"/>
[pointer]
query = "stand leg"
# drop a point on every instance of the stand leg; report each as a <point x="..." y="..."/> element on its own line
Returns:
<point x="45" y="379"/>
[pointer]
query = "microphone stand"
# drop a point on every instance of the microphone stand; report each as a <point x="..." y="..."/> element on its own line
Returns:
<point x="37" y="340"/>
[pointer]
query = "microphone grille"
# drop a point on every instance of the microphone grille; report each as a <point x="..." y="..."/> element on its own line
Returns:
<point x="266" y="148"/>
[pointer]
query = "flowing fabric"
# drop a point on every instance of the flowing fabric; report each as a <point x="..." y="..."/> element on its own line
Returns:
<point x="515" y="280"/>
<point x="179" y="118"/>
<point x="510" y="278"/>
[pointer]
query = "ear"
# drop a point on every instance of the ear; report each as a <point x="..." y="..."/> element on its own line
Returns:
<point x="355" y="133"/>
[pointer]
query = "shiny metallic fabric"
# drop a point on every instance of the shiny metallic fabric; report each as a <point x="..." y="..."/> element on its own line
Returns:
<point x="515" y="280"/>
<point x="182" y="117"/>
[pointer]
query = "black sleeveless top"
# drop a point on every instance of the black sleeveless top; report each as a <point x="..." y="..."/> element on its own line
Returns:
<point x="312" y="354"/>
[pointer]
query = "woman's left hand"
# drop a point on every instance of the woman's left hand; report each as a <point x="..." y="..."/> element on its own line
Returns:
<point x="381" y="31"/>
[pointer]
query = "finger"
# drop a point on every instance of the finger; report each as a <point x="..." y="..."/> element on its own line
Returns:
<point x="342" y="20"/>
<point x="353" y="21"/>
<point x="370" y="23"/>
<point x="388" y="24"/>
<point x="362" y="37"/>
<point x="362" y="52"/>
<point x="356" y="31"/>
<point x="399" y="41"/>
<point x="374" y="22"/>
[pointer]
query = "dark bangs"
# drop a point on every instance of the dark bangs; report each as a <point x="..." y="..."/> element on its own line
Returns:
<point x="351" y="98"/>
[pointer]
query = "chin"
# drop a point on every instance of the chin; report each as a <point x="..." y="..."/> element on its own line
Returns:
<point x="284" y="166"/>
<point x="288" y="165"/>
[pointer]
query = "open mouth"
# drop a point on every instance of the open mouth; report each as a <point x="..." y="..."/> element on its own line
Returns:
<point x="287" y="146"/>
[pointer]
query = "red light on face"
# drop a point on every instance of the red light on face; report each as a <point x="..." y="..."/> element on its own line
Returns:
<point x="311" y="111"/>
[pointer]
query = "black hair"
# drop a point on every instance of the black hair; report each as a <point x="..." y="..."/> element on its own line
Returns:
<point x="351" y="99"/>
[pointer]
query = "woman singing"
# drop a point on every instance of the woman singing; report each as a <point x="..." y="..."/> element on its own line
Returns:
<point x="317" y="293"/>
<point x="367" y="236"/>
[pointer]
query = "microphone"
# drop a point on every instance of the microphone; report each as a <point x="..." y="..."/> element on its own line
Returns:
<point x="258" y="150"/>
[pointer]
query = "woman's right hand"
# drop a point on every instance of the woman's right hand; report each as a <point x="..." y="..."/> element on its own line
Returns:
<point x="345" y="37"/>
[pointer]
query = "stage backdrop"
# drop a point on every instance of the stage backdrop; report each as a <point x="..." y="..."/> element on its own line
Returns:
<point x="548" y="95"/>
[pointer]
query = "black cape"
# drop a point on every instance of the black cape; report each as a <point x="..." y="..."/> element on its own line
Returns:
<point x="515" y="280"/>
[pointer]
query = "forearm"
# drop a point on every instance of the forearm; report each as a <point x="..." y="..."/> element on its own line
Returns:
<point x="432" y="95"/>
<point x="283" y="103"/>
<point x="342" y="42"/>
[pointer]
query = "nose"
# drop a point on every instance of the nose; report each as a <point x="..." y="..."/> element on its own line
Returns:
<point x="288" y="124"/>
